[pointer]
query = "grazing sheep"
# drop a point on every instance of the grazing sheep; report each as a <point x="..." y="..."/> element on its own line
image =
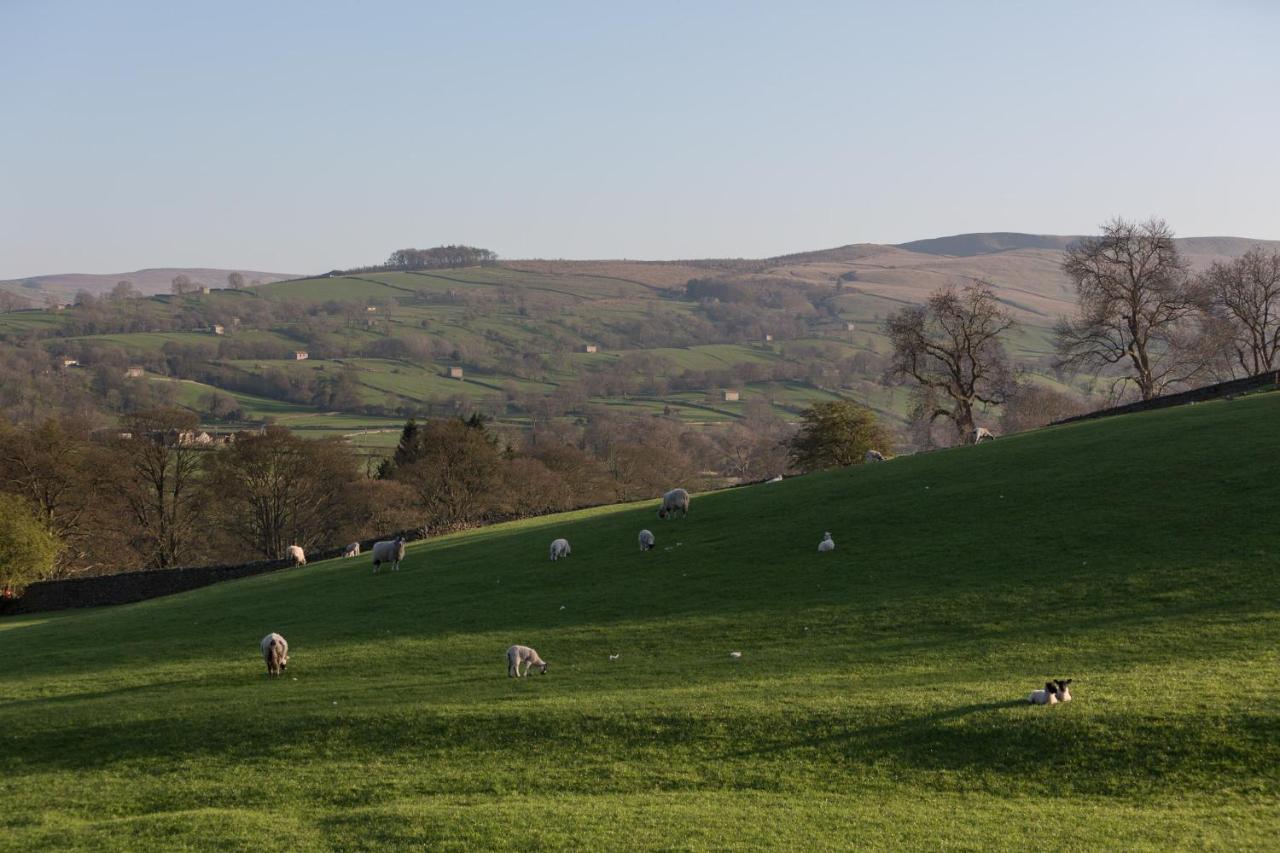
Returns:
<point x="352" y="550"/>
<point x="826" y="544"/>
<point x="777" y="479"/>
<point x="275" y="651"/>
<point x="559" y="548"/>
<point x="296" y="555"/>
<point x="981" y="434"/>
<point x="517" y="655"/>
<point x="388" y="551"/>
<point x="735" y="655"/>
<point x="646" y="540"/>
<point x="1047" y="696"/>
<point x="676" y="499"/>
<point x="873" y="456"/>
<point x="1064" y="692"/>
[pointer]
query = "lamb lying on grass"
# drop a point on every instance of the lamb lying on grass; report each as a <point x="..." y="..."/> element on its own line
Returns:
<point x="296" y="555"/>
<point x="275" y="651"/>
<point x="646" y="540"/>
<point x="826" y="544"/>
<point x="1047" y="696"/>
<point x="517" y="655"/>
<point x="559" y="548"/>
<point x="388" y="551"/>
<point x="1064" y="692"/>
<point x="352" y="550"/>
<point x="676" y="499"/>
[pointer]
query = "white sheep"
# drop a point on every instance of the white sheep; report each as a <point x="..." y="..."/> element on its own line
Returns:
<point x="775" y="479"/>
<point x="873" y="456"/>
<point x="559" y="548"/>
<point x="296" y="555"/>
<point x="676" y="499"/>
<point x="388" y="551"/>
<point x="981" y="434"/>
<point x="352" y="550"/>
<point x="1047" y="696"/>
<point x="275" y="651"/>
<point x="517" y="655"/>
<point x="646" y="540"/>
<point x="826" y="544"/>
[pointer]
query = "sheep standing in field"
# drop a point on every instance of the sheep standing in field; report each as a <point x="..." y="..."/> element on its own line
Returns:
<point x="873" y="456"/>
<point x="388" y="551"/>
<point x="826" y="544"/>
<point x="296" y="555"/>
<point x="517" y="655"/>
<point x="559" y="548"/>
<point x="676" y="499"/>
<point x="352" y="550"/>
<point x="981" y="434"/>
<point x="1064" y="692"/>
<point x="646" y="540"/>
<point x="1047" y="696"/>
<point x="275" y="651"/>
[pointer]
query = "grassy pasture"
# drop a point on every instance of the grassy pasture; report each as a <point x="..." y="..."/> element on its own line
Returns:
<point x="877" y="703"/>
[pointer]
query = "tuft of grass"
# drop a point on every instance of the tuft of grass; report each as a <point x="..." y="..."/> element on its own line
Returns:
<point x="879" y="701"/>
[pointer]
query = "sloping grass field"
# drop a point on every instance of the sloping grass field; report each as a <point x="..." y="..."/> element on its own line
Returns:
<point x="879" y="701"/>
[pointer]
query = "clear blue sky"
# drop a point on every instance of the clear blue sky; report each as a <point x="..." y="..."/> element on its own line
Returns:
<point x="301" y="136"/>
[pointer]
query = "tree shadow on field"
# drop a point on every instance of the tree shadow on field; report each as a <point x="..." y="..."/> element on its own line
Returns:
<point x="69" y="698"/>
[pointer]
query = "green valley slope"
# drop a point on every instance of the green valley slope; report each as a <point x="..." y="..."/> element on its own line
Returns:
<point x="878" y="702"/>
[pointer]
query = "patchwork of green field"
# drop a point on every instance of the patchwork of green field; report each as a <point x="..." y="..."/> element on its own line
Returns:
<point x="879" y="700"/>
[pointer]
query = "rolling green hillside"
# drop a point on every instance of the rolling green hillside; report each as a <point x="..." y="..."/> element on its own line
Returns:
<point x="878" y="701"/>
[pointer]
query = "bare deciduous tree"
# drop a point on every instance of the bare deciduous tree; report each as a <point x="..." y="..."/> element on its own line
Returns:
<point x="951" y="347"/>
<point x="1246" y="297"/>
<point x="182" y="284"/>
<point x="1138" y="307"/>
<point x="235" y="280"/>
<point x="159" y="484"/>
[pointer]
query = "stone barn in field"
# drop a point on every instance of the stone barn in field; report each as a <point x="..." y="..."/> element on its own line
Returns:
<point x="300" y="355"/>
<point x="454" y="373"/>
<point x="729" y="396"/>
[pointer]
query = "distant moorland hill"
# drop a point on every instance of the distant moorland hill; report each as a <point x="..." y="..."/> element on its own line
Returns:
<point x="65" y="286"/>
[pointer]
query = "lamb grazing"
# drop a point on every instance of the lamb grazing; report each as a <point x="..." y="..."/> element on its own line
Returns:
<point x="388" y="551"/>
<point x="676" y="499"/>
<point x="981" y="434"/>
<point x="1064" y="692"/>
<point x="352" y="550"/>
<point x="826" y="544"/>
<point x="275" y="651"/>
<point x="1047" y="696"/>
<point x="873" y="456"/>
<point x="517" y="655"/>
<point x="646" y="540"/>
<point x="559" y="548"/>
<point x="295" y="555"/>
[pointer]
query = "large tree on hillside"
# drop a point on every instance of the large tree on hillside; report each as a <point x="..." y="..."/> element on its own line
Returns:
<point x="276" y="489"/>
<point x="1245" y="295"/>
<point x="158" y="480"/>
<point x="836" y="434"/>
<point x="1137" y="308"/>
<point x="453" y="472"/>
<point x="950" y="347"/>
<point x="27" y="546"/>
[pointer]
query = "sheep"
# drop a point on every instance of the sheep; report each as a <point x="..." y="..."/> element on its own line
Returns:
<point x="1064" y="692"/>
<point x="873" y="456"/>
<point x="559" y="548"/>
<point x="776" y="479"/>
<point x="388" y="551"/>
<point x="517" y="655"/>
<point x="826" y="544"/>
<point x="295" y="555"/>
<point x="981" y="434"/>
<point x="275" y="651"/>
<point x="676" y="499"/>
<point x="646" y="540"/>
<point x="1047" y="696"/>
<point x="352" y="550"/>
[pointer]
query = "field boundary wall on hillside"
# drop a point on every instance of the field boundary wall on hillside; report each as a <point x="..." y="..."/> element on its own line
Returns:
<point x="1262" y="382"/>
